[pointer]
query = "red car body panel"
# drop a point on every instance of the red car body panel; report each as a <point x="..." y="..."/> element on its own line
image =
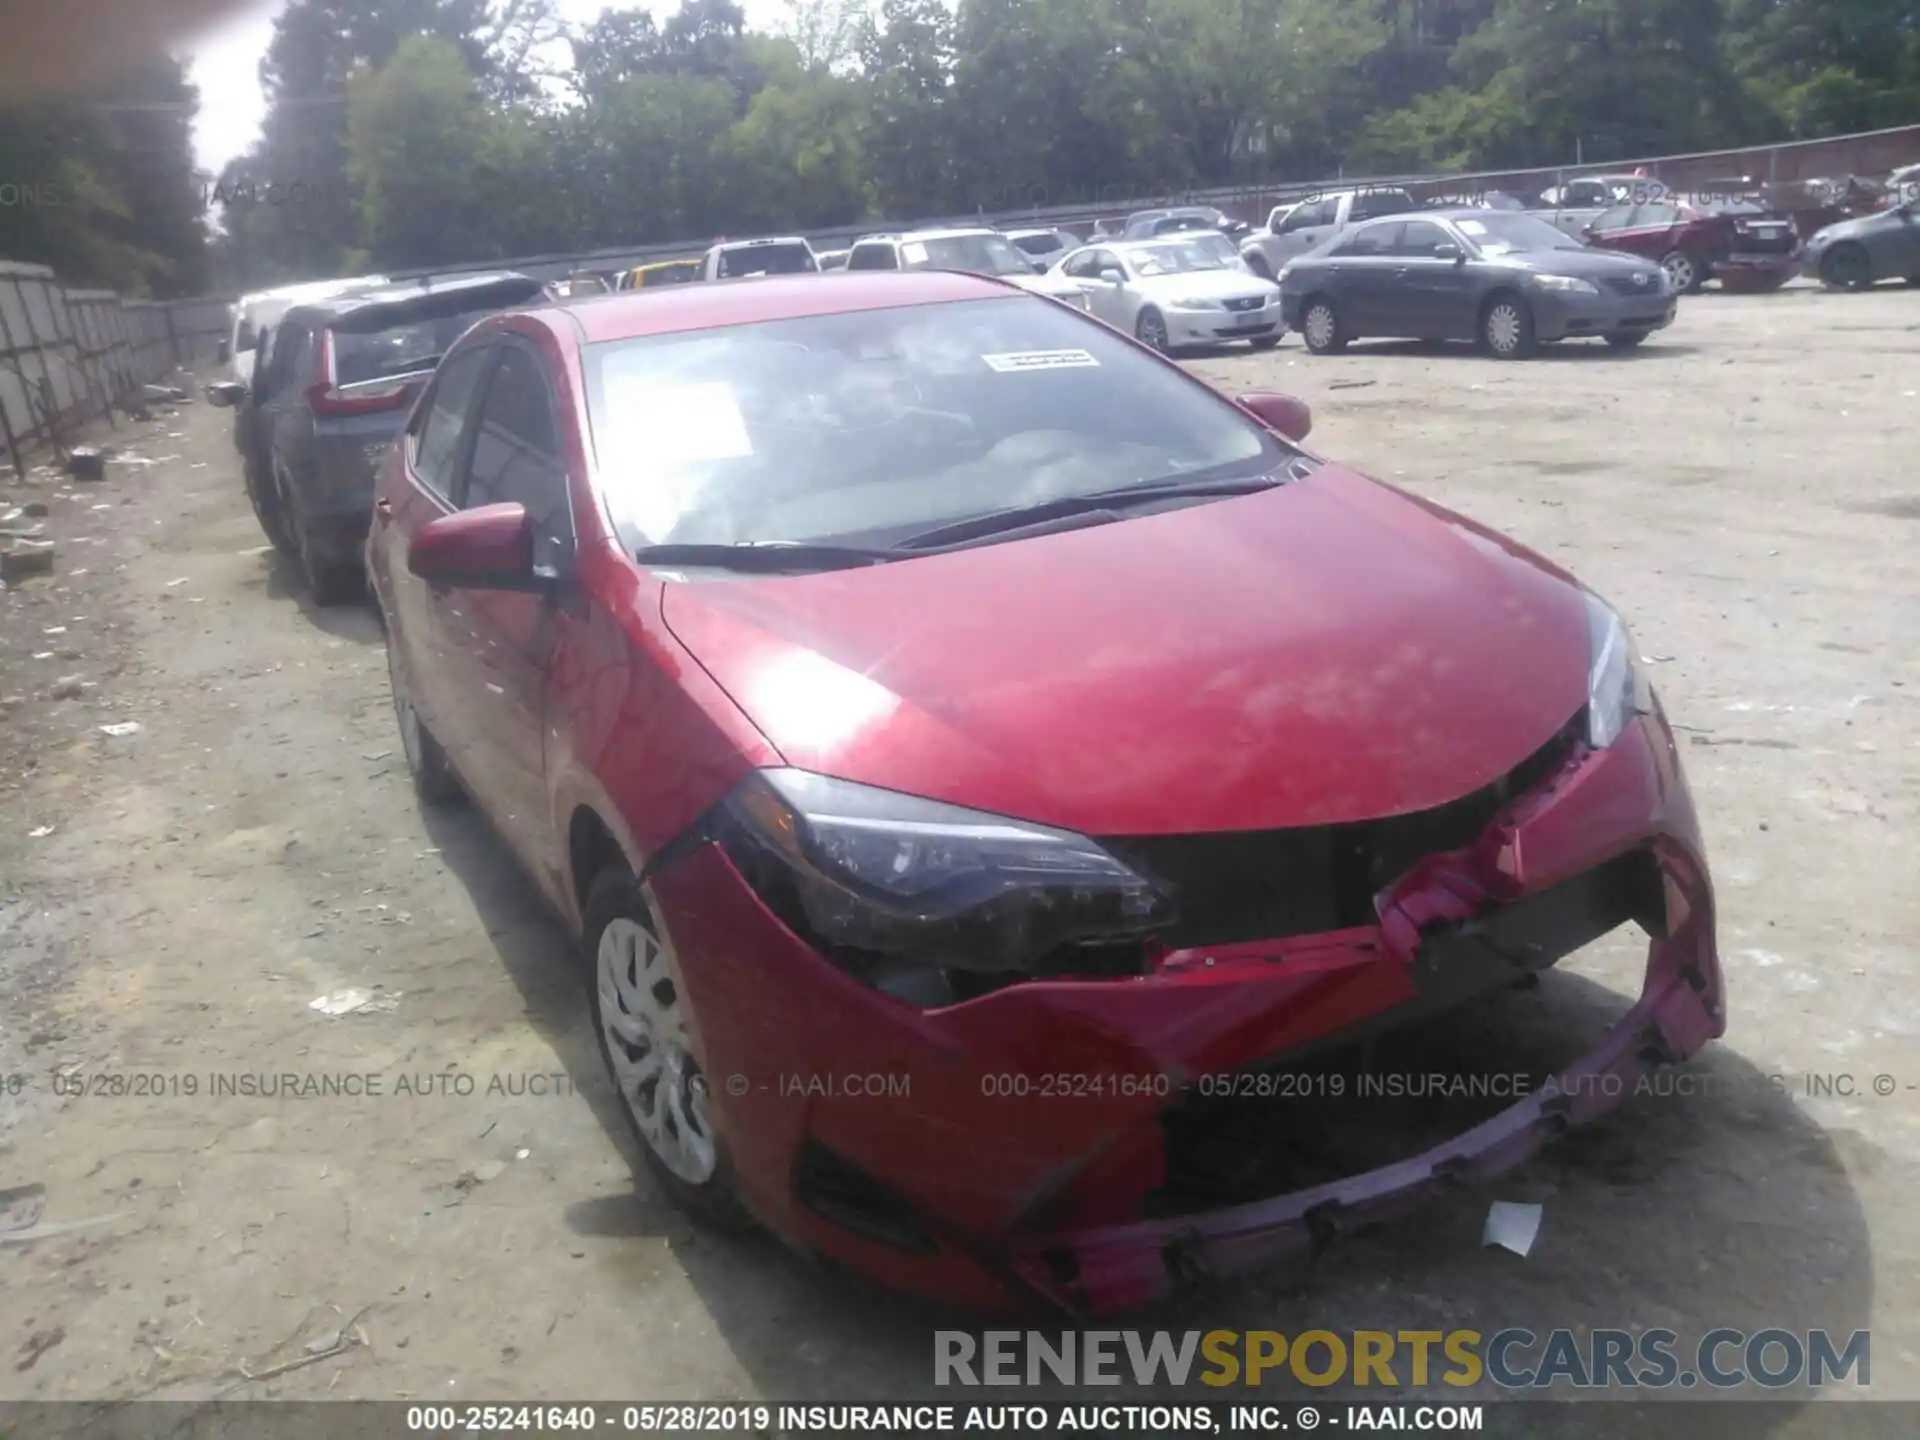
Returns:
<point x="1714" y="238"/>
<point x="1321" y="652"/>
<point x="1332" y="650"/>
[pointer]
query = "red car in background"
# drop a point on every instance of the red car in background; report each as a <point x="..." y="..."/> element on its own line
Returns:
<point x="1735" y="242"/>
<point x="976" y="756"/>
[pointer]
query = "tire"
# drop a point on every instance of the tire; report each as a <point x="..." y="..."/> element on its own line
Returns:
<point x="1687" y="271"/>
<point x="268" y="508"/>
<point x="1848" y="267"/>
<point x="329" y="582"/>
<point x="1321" y="327"/>
<point x="433" y="778"/>
<point x="1265" y="342"/>
<point x="1151" y="329"/>
<point x="1506" y="328"/>
<point x="1628" y="339"/>
<point x="621" y="946"/>
<point x="1257" y="263"/>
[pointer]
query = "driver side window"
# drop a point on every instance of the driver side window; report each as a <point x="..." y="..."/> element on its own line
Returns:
<point x="1308" y="215"/>
<point x="1368" y="240"/>
<point x="1084" y="266"/>
<point x="1618" y="218"/>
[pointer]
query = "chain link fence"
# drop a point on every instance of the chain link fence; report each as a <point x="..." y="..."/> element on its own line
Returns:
<point x="69" y="356"/>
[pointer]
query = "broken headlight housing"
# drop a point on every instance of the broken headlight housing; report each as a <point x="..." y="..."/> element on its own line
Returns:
<point x="882" y="881"/>
<point x="1617" y="688"/>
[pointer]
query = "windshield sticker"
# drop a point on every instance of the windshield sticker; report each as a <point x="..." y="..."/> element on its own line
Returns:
<point x="1009" y="362"/>
<point x="913" y="253"/>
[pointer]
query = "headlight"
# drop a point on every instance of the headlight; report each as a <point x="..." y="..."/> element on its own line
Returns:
<point x="1565" y="282"/>
<point x="900" y="890"/>
<point x="1617" y="688"/>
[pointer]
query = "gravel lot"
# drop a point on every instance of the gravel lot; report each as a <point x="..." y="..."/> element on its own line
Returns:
<point x="1744" y="489"/>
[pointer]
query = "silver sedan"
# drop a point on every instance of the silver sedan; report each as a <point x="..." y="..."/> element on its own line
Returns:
<point x="1182" y="290"/>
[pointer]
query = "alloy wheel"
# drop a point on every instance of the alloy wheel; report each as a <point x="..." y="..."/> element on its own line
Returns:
<point x="1680" y="271"/>
<point x="643" y="1020"/>
<point x="1153" y="330"/>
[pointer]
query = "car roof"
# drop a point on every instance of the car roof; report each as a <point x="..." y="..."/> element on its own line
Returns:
<point x="310" y="290"/>
<point x="339" y="307"/>
<point x="898" y="237"/>
<point x="678" y="309"/>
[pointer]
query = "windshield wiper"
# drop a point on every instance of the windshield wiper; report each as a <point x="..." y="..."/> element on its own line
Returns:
<point x="1020" y="517"/>
<point x="764" y="557"/>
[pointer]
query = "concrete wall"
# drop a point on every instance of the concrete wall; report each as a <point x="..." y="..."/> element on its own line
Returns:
<point x="67" y="356"/>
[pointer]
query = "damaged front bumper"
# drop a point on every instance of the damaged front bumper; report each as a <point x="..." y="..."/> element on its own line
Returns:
<point x="1014" y="1145"/>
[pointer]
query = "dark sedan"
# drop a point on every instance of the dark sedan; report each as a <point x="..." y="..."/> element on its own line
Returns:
<point x="325" y="403"/>
<point x="1508" y="282"/>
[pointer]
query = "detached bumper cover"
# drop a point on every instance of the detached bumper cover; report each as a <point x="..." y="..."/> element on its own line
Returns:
<point x="1012" y="1143"/>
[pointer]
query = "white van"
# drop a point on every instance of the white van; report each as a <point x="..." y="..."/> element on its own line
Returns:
<point x="256" y="314"/>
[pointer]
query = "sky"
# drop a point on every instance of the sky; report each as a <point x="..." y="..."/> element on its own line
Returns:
<point x="226" y="65"/>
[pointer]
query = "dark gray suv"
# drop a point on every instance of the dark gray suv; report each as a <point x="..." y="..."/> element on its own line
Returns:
<point x="326" y="400"/>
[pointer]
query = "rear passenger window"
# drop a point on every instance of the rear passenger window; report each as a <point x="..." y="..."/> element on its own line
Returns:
<point x="437" y="449"/>
<point x="872" y="257"/>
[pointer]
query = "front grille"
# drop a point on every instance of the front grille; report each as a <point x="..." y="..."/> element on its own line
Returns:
<point x="1643" y="284"/>
<point x="1267" y="884"/>
<point x="1246" y="302"/>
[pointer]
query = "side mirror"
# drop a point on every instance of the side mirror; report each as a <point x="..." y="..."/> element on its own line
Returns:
<point x="223" y="353"/>
<point x="488" y="548"/>
<point x="225" y="394"/>
<point x="1450" y="252"/>
<point x="1113" y="276"/>
<point x="1283" y="414"/>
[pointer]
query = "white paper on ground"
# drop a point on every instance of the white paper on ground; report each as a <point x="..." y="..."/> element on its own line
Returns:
<point x="1512" y="1227"/>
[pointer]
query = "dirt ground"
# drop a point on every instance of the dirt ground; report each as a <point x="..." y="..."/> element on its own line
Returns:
<point x="1744" y="489"/>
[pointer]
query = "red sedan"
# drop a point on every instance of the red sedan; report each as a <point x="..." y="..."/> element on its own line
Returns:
<point x="968" y="747"/>
<point x="1734" y="242"/>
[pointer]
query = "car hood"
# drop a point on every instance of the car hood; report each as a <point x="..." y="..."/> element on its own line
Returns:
<point x="1052" y="282"/>
<point x="1328" y="650"/>
<point x="1584" y="263"/>
<point x="1203" y="285"/>
<point x="1858" y="228"/>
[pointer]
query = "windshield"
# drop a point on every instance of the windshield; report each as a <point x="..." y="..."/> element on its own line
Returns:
<point x="1177" y="257"/>
<point x="883" y="422"/>
<point x="794" y="259"/>
<point x="402" y="348"/>
<point x="1042" y="244"/>
<point x="1514" y="234"/>
<point x="981" y="254"/>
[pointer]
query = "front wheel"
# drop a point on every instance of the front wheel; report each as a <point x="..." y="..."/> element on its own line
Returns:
<point x="1506" y="329"/>
<point x="641" y="1017"/>
<point x="1321" y="327"/>
<point x="1627" y="339"/>
<point x="1848" y="268"/>
<point x="1151" y="329"/>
